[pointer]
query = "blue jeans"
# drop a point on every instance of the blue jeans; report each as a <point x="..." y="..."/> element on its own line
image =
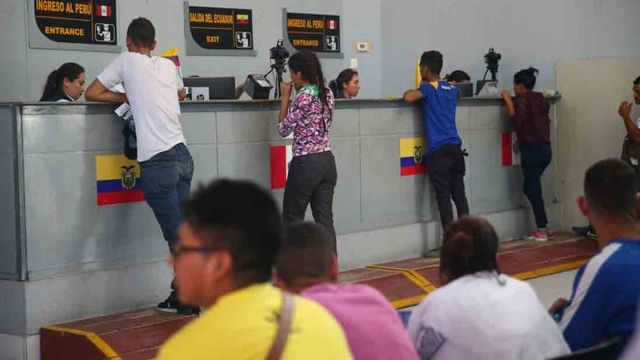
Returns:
<point x="535" y="159"/>
<point x="166" y="183"/>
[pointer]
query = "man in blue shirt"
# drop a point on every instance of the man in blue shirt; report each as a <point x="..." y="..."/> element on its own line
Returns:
<point x="445" y="158"/>
<point x="606" y="290"/>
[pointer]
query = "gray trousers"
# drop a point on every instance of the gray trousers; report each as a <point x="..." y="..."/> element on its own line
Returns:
<point x="312" y="180"/>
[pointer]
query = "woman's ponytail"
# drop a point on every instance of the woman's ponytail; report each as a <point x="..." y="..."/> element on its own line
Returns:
<point x="322" y="85"/>
<point x="50" y="87"/>
<point x="333" y="85"/>
<point x="308" y="64"/>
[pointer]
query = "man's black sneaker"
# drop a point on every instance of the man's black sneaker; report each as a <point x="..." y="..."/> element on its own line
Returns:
<point x="587" y="231"/>
<point x="580" y="230"/>
<point x="188" y="310"/>
<point x="170" y="304"/>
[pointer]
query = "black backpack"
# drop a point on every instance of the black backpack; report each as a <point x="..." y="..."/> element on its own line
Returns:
<point x="130" y="140"/>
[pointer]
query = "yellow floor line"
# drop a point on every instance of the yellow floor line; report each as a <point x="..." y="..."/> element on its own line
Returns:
<point x="386" y="268"/>
<point x="406" y="302"/>
<point x="550" y="270"/>
<point x="96" y="340"/>
<point x="420" y="278"/>
<point x="420" y="281"/>
<point x="410" y="274"/>
<point x="428" y="287"/>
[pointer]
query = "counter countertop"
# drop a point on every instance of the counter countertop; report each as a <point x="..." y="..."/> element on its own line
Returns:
<point x="35" y="108"/>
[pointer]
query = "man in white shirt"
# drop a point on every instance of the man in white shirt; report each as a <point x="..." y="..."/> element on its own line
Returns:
<point x="153" y="89"/>
<point x="631" y="116"/>
<point x="479" y="313"/>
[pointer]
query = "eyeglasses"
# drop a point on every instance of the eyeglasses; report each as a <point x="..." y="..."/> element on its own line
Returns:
<point x="181" y="250"/>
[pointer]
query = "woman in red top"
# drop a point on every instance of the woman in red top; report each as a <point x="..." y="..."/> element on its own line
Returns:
<point x="530" y="115"/>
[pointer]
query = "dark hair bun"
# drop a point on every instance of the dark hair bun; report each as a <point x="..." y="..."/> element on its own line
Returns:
<point x="526" y="77"/>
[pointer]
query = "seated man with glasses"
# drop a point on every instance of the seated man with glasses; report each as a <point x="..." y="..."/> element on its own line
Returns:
<point x="223" y="261"/>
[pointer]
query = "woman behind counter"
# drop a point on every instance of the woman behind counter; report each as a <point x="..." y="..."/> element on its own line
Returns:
<point x="346" y="85"/>
<point x="66" y="84"/>
<point x="312" y="172"/>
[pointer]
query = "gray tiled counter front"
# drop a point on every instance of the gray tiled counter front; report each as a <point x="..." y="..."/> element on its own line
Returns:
<point x="55" y="227"/>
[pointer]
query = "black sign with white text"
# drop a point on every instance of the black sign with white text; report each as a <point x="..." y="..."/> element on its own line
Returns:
<point x="77" y="21"/>
<point x="315" y="32"/>
<point x="221" y="28"/>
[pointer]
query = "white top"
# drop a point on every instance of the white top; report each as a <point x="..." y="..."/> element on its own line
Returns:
<point x="635" y="117"/>
<point x="632" y="350"/>
<point x="152" y="84"/>
<point x="68" y="99"/>
<point x="477" y="317"/>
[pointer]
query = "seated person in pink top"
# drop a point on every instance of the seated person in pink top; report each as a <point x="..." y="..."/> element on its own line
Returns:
<point x="307" y="265"/>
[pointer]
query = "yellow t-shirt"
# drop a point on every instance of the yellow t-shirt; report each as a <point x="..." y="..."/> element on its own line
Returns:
<point x="242" y="325"/>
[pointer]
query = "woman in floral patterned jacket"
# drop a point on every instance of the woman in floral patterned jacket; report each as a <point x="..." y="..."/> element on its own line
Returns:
<point x="312" y="172"/>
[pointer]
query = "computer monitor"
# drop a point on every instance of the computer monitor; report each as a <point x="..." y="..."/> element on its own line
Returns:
<point x="210" y="88"/>
<point x="465" y="89"/>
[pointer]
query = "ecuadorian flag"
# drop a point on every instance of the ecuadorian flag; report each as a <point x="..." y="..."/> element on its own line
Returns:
<point x="172" y="54"/>
<point x="418" y="74"/>
<point x="117" y="180"/>
<point x="412" y="153"/>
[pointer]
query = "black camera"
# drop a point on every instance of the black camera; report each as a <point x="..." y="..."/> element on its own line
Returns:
<point x="491" y="59"/>
<point x="279" y="54"/>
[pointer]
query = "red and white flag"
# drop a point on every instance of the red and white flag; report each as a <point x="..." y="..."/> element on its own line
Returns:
<point x="103" y="10"/>
<point x="510" y="149"/>
<point x="332" y="24"/>
<point x="280" y="158"/>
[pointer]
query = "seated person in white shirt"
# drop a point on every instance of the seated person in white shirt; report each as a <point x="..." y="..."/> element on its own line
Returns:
<point x="480" y="313"/>
<point x="632" y="350"/>
<point x="65" y="84"/>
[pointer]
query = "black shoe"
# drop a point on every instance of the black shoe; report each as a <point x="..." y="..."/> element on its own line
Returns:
<point x="586" y="231"/>
<point x="170" y="304"/>
<point x="188" y="310"/>
<point x="581" y="230"/>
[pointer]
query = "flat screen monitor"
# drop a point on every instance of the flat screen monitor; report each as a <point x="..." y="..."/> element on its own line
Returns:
<point x="210" y="88"/>
<point x="465" y="89"/>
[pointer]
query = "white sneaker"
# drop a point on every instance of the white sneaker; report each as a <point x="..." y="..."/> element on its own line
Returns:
<point x="539" y="236"/>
